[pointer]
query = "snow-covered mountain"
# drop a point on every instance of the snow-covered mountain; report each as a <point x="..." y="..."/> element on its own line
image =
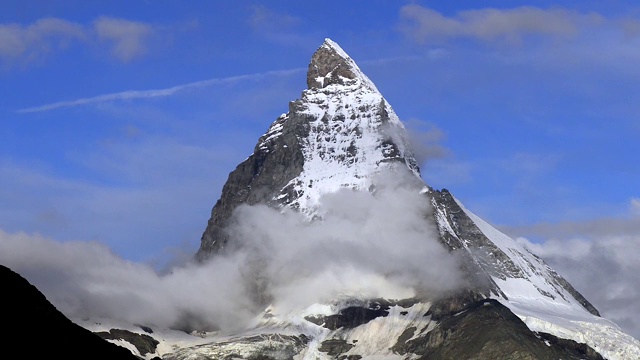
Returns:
<point x="506" y="303"/>
<point x="340" y="133"/>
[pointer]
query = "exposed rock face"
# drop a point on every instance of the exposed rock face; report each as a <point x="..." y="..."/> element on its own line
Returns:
<point x="337" y="135"/>
<point x="487" y="262"/>
<point x="258" y="179"/>
<point x="487" y="330"/>
<point x="329" y="66"/>
<point x="33" y="328"/>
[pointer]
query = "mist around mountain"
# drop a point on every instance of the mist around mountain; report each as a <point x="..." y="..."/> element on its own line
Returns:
<point x="296" y="262"/>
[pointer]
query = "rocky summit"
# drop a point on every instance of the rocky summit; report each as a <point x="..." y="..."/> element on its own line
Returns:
<point x="460" y="289"/>
<point x="340" y="133"/>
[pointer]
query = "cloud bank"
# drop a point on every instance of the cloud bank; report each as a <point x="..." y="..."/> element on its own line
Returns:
<point x="372" y="244"/>
<point x="367" y="245"/>
<point x="126" y="39"/>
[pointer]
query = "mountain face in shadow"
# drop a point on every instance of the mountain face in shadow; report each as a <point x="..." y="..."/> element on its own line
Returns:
<point x="32" y="328"/>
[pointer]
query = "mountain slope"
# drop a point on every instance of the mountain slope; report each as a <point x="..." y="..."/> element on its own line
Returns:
<point x="28" y="312"/>
<point x="342" y="134"/>
<point x="520" y="280"/>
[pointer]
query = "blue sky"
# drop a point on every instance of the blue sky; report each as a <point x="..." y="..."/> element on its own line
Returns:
<point x="121" y="120"/>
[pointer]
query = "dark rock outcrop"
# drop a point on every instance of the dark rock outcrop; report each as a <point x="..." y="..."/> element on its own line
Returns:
<point x="335" y="347"/>
<point x="328" y="67"/>
<point x="33" y="328"/>
<point x="257" y="180"/>
<point x="488" y="330"/>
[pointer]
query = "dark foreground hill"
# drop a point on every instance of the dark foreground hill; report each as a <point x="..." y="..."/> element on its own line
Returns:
<point x="32" y="328"/>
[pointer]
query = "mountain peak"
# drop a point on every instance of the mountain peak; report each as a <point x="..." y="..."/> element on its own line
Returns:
<point x="330" y="65"/>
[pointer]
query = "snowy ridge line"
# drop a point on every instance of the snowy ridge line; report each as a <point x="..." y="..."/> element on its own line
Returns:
<point x="558" y="312"/>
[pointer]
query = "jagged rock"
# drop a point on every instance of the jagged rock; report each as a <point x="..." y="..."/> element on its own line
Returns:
<point x="335" y="347"/>
<point x="488" y="330"/>
<point x="486" y="260"/>
<point x="329" y="66"/>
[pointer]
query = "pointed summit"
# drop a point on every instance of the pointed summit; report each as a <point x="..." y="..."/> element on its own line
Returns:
<point x="330" y="65"/>
<point x="339" y="134"/>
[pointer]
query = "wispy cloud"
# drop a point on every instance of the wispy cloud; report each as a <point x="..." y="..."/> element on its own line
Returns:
<point x="128" y="37"/>
<point x="31" y="41"/>
<point x="494" y="25"/>
<point x="263" y="19"/>
<point x="277" y="27"/>
<point x="594" y="228"/>
<point x="23" y="43"/>
<point x="145" y="94"/>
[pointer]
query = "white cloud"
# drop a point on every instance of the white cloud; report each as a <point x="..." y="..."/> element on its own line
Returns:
<point x="128" y="38"/>
<point x="19" y="43"/>
<point x="85" y="279"/>
<point x="501" y="25"/>
<point x="426" y="140"/>
<point x="264" y="19"/>
<point x="37" y="39"/>
<point x="368" y="245"/>
<point x="278" y="27"/>
<point x="127" y="188"/>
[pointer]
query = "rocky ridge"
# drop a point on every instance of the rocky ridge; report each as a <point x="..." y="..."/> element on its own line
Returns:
<point x="337" y="135"/>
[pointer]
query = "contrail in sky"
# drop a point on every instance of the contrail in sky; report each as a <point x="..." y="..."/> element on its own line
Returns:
<point x="144" y="94"/>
